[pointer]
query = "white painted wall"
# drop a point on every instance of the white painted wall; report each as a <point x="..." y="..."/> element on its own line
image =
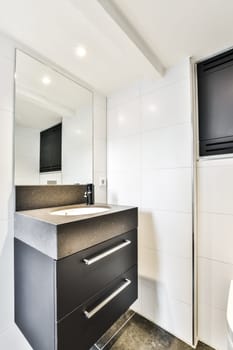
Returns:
<point x="149" y="165"/>
<point x="10" y="337"/>
<point x="27" y="151"/>
<point x="215" y="248"/>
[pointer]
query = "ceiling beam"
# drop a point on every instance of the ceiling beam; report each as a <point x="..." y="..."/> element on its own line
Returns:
<point x="44" y="102"/>
<point x="133" y="35"/>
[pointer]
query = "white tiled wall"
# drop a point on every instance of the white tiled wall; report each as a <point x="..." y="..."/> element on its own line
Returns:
<point x="6" y="183"/>
<point x="100" y="147"/>
<point x="10" y="337"/>
<point x="215" y="248"/>
<point x="149" y="165"/>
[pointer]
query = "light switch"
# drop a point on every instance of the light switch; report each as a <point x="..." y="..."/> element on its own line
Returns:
<point x="102" y="181"/>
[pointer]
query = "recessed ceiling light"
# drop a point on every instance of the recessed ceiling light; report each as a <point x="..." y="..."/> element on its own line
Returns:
<point x="46" y="80"/>
<point x="81" y="51"/>
<point x="152" y="108"/>
<point x="121" y="119"/>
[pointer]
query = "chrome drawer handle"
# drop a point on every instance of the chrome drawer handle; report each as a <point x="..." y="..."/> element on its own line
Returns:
<point x="90" y="314"/>
<point x="108" y="252"/>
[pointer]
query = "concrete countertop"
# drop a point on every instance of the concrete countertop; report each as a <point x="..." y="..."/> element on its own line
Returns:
<point x="60" y="236"/>
<point x="44" y="214"/>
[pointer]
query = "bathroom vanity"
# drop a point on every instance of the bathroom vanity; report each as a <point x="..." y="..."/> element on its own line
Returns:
<point x="75" y="275"/>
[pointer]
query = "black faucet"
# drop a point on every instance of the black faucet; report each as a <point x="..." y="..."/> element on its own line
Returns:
<point x="90" y="194"/>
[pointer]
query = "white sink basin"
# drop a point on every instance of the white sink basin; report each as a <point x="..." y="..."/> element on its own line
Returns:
<point x="79" y="211"/>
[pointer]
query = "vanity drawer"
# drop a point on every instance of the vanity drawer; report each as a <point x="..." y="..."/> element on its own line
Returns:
<point x="82" y="328"/>
<point x="84" y="274"/>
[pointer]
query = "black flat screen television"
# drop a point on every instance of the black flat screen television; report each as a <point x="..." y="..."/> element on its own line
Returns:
<point x="51" y="149"/>
<point x="215" y="104"/>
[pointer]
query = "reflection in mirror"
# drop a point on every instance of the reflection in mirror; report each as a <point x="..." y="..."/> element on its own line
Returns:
<point x="53" y="126"/>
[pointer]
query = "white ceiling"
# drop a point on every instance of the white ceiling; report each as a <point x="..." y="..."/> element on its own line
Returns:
<point x="54" y="28"/>
<point x="172" y="29"/>
<point x="175" y="29"/>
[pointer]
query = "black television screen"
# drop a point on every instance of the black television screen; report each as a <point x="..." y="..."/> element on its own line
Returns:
<point x="51" y="149"/>
<point x="215" y="104"/>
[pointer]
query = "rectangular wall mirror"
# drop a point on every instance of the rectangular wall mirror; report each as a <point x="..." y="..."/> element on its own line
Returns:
<point x="53" y="126"/>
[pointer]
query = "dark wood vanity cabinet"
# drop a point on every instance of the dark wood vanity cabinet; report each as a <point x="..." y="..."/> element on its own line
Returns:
<point x="68" y="304"/>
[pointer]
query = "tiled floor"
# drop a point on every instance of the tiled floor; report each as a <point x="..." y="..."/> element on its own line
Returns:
<point x="140" y="334"/>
